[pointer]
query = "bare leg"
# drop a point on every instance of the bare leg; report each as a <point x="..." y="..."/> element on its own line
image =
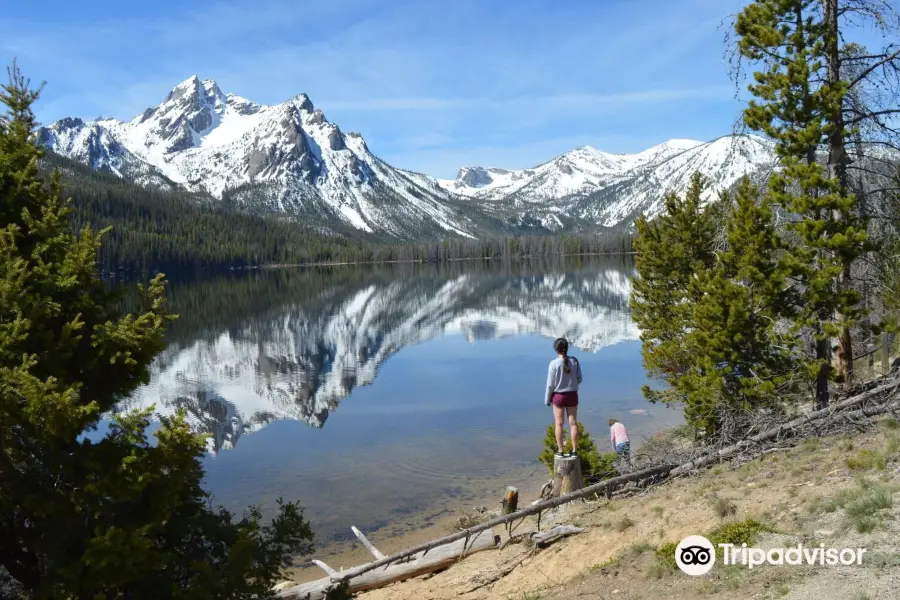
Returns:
<point x="572" y="412"/>
<point x="558" y="413"/>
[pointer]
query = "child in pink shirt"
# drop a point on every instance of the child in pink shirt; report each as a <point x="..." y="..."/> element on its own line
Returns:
<point x="618" y="437"/>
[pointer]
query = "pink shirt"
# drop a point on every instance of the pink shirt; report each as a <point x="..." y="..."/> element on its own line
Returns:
<point x="617" y="434"/>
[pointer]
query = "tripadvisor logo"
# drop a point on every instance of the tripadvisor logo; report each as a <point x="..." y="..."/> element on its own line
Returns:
<point x="696" y="555"/>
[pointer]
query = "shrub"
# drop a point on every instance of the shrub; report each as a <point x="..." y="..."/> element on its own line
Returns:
<point x="864" y="500"/>
<point x="636" y="550"/>
<point x="866" y="460"/>
<point x="890" y="424"/>
<point x="862" y="503"/>
<point x="737" y="532"/>
<point x="665" y="555"/>
<point x="623" y="524"/>
<point x="594" y="465"/>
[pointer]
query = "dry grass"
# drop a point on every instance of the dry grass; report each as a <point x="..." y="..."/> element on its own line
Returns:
<point x="623" y="524"/>
<point x="723" y="507"/>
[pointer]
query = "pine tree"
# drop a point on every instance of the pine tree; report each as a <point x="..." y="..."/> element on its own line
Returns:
<point x="799" y="106"/>
<point x="120" y="517"/>
<point x="671" y="251"/>
<point x="708" y="307"/>
<point x="742" y="362"/>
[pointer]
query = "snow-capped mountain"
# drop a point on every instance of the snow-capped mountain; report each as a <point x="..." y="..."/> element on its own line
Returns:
<point x="289" y="159"/>
<point x="300" y="361"/>
<point x="95" y="146"/>
<point x="586" y="185"/>
<point x="286" y="158"/>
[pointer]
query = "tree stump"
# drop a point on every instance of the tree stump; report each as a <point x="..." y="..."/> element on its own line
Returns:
<point x="510" y="501"/>
<point x="566" y="475"/>
<point x="887" y="339"/>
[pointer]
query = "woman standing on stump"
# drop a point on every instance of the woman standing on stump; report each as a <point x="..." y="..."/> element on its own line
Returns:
<point x="563" y="378"/>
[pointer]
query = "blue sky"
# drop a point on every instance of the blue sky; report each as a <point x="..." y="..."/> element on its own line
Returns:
<point x="431" y="85"/>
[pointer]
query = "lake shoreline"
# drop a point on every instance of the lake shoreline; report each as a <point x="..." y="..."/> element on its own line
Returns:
<point x="427" y="525"/>
<point x="419" y="528"/>
<point x="429" y="262"/>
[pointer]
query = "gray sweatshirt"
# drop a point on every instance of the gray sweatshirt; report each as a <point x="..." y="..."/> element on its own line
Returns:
<point x="560" y="381"/>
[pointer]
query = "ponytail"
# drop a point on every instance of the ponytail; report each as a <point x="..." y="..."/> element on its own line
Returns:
<point x="562" y="347"/>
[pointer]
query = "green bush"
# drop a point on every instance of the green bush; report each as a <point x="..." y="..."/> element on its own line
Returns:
<point x="665" y="555"/>
<point x="594" y="465"/>
<point x="737" y="532"/>
<point x="866" y="460"/>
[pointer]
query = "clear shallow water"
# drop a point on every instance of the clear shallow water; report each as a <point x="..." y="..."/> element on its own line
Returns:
<point x="384" y="398"/>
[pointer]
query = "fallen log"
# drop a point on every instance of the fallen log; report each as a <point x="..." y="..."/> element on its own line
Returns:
<point x="544" y="538"/>
<point x="812" y="418"/>
<point x="421" y="563"/>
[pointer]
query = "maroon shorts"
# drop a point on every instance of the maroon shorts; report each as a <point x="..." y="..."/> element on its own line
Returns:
<point x="562" y="399"/>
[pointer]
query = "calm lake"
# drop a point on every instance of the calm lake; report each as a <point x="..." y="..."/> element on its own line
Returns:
<point x="389" y="397"/>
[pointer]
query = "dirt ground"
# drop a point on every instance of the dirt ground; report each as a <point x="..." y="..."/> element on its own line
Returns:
<point x="817" y="492"/>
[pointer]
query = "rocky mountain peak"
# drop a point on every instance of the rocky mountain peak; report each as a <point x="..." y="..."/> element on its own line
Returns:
<point x="302" y="102"/>
<point x="473" y="176"/>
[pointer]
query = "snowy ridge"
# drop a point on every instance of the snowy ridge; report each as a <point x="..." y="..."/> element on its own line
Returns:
<point x="301" y="365"/>
<point x="285" y="158"/>
<point x="592" y="187"/>
<point x="579" y="170"/>
<point x="95" y="146"/>
<point x="290" y="160"/>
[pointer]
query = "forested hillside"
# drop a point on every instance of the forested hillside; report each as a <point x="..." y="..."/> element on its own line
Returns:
<point x="184" y="234"/>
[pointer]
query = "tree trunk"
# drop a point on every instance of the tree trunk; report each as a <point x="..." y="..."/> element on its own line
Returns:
<point x="510" y="501"/>
<point x="824" y="358"/>
<point x="566" y="475"/>
<point x="887" y="339"/>
<point x="837" y="169"/>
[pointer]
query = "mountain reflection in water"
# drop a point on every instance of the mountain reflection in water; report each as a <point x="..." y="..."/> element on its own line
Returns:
<point x="294" y="343"/>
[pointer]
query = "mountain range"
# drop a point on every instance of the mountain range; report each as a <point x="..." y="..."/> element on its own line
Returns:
<point x="289" y="159"/>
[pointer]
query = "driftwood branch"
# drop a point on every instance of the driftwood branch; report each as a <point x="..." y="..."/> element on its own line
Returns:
<point x="365" y="542"/>
<point x="331" y="572"/>
<point x="421" y="563"/>
<point x="543" y="538"/>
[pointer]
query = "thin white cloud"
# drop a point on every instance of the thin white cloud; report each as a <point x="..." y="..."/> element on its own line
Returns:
<point x="652" y="96"/>
<point x="375" y="104"/>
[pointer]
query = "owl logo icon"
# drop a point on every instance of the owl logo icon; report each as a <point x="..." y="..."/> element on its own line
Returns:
<point x="695" y="555"/>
